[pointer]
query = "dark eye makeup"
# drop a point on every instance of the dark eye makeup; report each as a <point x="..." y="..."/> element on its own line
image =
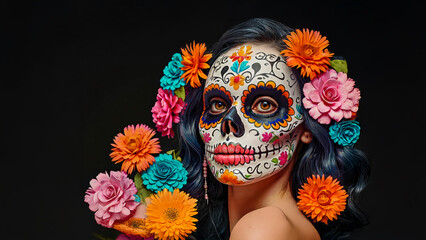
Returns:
<point x="217" y="103"/>
<point x="266" y="104"/>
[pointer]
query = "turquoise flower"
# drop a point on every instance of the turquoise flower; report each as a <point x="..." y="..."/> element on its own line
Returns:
<point x="166" y="172"/>
<point x="345" y="133"/>
<point x="172" y="73"/>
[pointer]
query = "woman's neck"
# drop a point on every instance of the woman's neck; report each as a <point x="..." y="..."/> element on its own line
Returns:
<point x="272" y="191"/>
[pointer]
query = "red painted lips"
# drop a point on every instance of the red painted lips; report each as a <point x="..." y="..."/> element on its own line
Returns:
<point x="233" y="154"/>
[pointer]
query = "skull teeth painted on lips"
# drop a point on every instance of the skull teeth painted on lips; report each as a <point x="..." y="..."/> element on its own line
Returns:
<point x="235" y="154"/>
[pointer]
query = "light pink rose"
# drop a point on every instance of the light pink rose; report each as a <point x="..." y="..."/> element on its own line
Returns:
<point x="331" y="95"/>
<point x="166" y="111"/>
<point x="111" y="197"/>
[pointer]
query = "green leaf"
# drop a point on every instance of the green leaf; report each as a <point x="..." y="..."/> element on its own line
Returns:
<point x="273" y="139"/>
<point x="339" y="65"/>
<point x="248" y="176"/>
<point x="138" y="180"/>
<point x="274" y="160"/>
<point x="180" y="92"/>
<point x="143" y="192"/>
<point x="175" y="154"/>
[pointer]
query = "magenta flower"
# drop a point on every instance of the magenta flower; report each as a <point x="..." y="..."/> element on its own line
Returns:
<point x="331" y="95"/>
<point x="283" y="157"/>
<point x="111" y="197"/>
<point x="132" y="237"/>
<point x="166" y="112"/>
<point x="266" y="137"/>
<point x="206" y="137"/>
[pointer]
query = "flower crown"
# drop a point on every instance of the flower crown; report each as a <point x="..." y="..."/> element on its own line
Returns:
<point x="169" y="214"/>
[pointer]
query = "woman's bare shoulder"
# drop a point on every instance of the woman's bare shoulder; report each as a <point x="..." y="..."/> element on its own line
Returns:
<point x="268" y="223"/>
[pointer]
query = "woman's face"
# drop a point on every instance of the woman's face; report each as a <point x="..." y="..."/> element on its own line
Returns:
<point x="251" y="110"/>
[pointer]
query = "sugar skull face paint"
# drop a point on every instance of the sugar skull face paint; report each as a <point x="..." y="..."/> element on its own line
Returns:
<point x="251" y="114"/>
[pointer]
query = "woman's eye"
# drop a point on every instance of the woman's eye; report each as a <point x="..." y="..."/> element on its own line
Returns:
<point x="264" y="105"/>
<point x="217" y="106"/>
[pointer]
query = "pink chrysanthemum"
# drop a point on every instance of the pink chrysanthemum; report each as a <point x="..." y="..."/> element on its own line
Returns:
<point x="111" y="197"/>
<point x="331" y="95"/>
<point x="166" y="111"/>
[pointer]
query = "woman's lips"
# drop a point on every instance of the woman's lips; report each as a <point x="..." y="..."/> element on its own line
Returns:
<point x="233" y="154"/>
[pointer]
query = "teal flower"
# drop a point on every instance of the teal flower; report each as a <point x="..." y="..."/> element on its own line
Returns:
<point x="172" y="73"/>
<point x="345" y="133"/>
<point x="166" y="172"/>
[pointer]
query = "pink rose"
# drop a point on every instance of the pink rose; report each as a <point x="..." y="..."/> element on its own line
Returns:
<point x="331" y="95"/>
<point x="111" y="197"/>
<point x="166" y="111"/>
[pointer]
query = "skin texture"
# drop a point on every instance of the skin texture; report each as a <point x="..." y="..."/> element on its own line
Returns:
<point x="260" y="206"/>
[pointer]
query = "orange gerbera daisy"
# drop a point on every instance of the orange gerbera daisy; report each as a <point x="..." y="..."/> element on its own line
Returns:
<point x="194" y="60"/>
<point x="170" y="215"/>
<point x="322" y="199"/>
<point x="135" y="147"/>
<point x="307" y="50"/>
<point x="133" y="226"/>
<point x="240" y="55"/>
<point x="229" y="178"/>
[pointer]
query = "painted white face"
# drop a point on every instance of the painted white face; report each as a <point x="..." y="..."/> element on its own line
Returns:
<point x="250" y="116"/>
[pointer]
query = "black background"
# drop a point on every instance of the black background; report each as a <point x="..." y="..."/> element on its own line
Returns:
<point x="75" y="73"/>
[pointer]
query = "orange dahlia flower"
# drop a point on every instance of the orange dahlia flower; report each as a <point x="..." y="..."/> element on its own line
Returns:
<point x="133" y="226"/>
<point x="194" y="60"/>
<point x="134" y="148"/>
<point x="307" y="50"/>
<point x="322" y="199"/>
<point x="170" y="215"/>
<point x="229" y="178"/>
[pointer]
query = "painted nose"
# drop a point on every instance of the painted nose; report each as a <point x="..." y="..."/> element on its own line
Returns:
<point x="232" y="123"/>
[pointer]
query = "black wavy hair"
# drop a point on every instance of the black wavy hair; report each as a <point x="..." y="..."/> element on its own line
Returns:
<point x="321" y="156"/>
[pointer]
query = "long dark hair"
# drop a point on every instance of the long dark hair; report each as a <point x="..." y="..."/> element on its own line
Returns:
<point x="321" y="156"/>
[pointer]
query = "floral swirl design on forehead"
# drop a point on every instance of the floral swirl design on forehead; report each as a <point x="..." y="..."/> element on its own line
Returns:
<point x="243" y="72"/>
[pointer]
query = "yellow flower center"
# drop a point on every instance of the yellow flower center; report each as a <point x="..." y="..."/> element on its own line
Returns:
<point x="171" y="214"/>
<point x="309" y="50"/>
<point x="137" y="224"/>
<point x="324" y="197"/>
<point x="132" y="145"/>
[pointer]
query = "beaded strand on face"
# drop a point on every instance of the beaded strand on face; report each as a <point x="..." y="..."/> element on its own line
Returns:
<point x="205" y="179"/>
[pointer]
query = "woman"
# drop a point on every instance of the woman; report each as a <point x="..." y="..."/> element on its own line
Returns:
<point x="248" y="123"/>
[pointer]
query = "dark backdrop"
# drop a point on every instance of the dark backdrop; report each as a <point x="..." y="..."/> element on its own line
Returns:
<point x="75" y="73"/>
